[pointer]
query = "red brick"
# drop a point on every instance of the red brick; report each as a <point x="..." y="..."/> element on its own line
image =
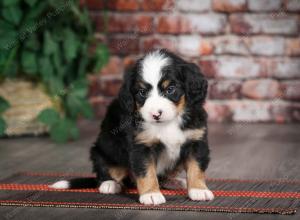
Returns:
<point x="285" y="68"/>
<point x="169" y="24"/>
<point x="194" y="46"/>
<point x="229" y="5"/>
<point x="151" y="43"/>
<point x="100" y="104"/>
<point x="225" y="89"/>
<point x="263" y="23"/>
<point x="204" y="24"/>
<point x="109" y="87"/>
<point x="250" y="111"/>
<point x="264" y="5"/>
<point x="193" y="5"/>
<point x="113" y="67"/>
<point x="238" y="67"/>
<point x="232" y="45"/>
<point x="103" y="85"/>
<point x="124" y="45"/>
<point x="282" y="112"/>
<point x="123" y="5"/>
<point x="291" y="90"/>
<point x="218" y="111"/>
<point x="157" y="5"/>
<point x="268" y="46"/>
<point x="144" y="24"/>
<point x="129" y="61"/>
<point x="93" y="4"/>
<point x="261" y="89"/>
<point x="292" y="5"/>
<point x="293" y="46"/>
<point x="119" y="23"/>
<point x="208" y="67"/>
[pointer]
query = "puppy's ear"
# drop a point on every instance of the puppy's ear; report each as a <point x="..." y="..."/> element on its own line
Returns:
<point x="125" y="95"/>
<point x="195" y="84"/>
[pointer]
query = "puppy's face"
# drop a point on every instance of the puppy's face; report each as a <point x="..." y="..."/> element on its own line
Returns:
<point x="161" y="86"/>
<point x="158" y="93"/>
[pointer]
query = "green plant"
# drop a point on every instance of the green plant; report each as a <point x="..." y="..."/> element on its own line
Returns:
<point x="52" y="41"/>
<point x="4" y="105"/>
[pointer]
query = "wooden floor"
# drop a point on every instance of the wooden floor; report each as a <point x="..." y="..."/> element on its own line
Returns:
<point x="259" y="151"/>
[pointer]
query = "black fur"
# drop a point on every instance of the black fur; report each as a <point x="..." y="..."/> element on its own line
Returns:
<point x="115" y="146"/>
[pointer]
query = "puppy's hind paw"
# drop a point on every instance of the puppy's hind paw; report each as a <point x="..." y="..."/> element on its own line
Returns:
<point x="110" y="187"/>
<point x="154" y="198"/>
<point x="201" y="194"/>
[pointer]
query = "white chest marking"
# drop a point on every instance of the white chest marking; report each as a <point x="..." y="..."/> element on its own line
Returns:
<point x="173" y="138"/>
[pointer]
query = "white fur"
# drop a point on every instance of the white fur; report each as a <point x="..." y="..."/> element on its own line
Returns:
<point x="155" y="198"/>
<point x="201" y="194"/>
<point x="152" y="66"/>
<point x="110" y="187"/>
<point x="63" y="184"/>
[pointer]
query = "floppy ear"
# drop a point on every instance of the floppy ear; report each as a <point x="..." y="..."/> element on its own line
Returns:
<point x="125" y="95"/>
<point x="195" y="84"/>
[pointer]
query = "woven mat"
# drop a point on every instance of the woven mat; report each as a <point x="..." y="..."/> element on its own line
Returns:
<point x="238" y="196"/>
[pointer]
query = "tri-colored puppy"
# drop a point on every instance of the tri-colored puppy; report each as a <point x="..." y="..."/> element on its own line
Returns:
<point x="155" y="127"/>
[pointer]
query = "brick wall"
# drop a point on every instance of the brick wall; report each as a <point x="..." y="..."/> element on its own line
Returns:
<point x="248" y="49"/>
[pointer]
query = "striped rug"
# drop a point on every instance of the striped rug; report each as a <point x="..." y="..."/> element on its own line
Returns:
<point x="231" y="195"/>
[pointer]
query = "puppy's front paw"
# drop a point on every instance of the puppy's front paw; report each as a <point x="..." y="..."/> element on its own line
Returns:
<point x="154" y="198"/>
<point x="201" y="194"/>
<point x="110" y="187"/>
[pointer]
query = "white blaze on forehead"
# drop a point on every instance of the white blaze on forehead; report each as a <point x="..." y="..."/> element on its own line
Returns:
<point x="152" y="66"/>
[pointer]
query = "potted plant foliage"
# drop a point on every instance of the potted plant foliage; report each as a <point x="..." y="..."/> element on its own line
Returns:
<point x="49" y="47"/>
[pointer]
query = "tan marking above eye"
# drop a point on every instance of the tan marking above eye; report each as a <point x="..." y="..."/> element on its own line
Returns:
<point x="142" y="85"/>
<point x="165" y="83"/>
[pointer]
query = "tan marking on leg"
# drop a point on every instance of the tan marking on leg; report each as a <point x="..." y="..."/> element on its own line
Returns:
<point x="118" y="173"/>
<point x="195" y="176"/>
<point x="148" y="183"/>
<point x="180" y="105"/>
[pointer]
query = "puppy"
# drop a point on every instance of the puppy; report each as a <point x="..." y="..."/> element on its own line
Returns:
<point x="155" y="127"/>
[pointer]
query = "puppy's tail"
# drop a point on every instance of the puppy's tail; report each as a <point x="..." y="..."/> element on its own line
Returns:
<point x="77" y="183"/>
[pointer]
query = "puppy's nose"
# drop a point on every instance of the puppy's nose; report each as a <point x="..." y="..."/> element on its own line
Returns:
<point x="156" y="116"/>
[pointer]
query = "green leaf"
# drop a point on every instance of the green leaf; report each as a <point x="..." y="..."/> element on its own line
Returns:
<point x="32" y="43"/>
<point x="60" y="131"/>
<point x="56" y="86"/>
<point x="9" y="2"/>
<point x="74" y="131"/>
<point x="50" y="46"/>
<point x="73" y="105"/>
<point x="49" y="116"/>
<point x="4" y="105"/>
<point x="46" y="68"/>
<point x="29" y="62"/>
<point x="2" y="126"/>
<point x="101" y="57"/>
<point x="79" y="88"/>
<point x="12" y="14"/>
<point x="70" y="45"/>
<point x="86" y="109"/>
<point x="31" y="2"/>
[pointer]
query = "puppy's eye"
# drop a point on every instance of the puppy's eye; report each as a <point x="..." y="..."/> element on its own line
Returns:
<point x="171" y="90"/>
<point x="143" y="93"/>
